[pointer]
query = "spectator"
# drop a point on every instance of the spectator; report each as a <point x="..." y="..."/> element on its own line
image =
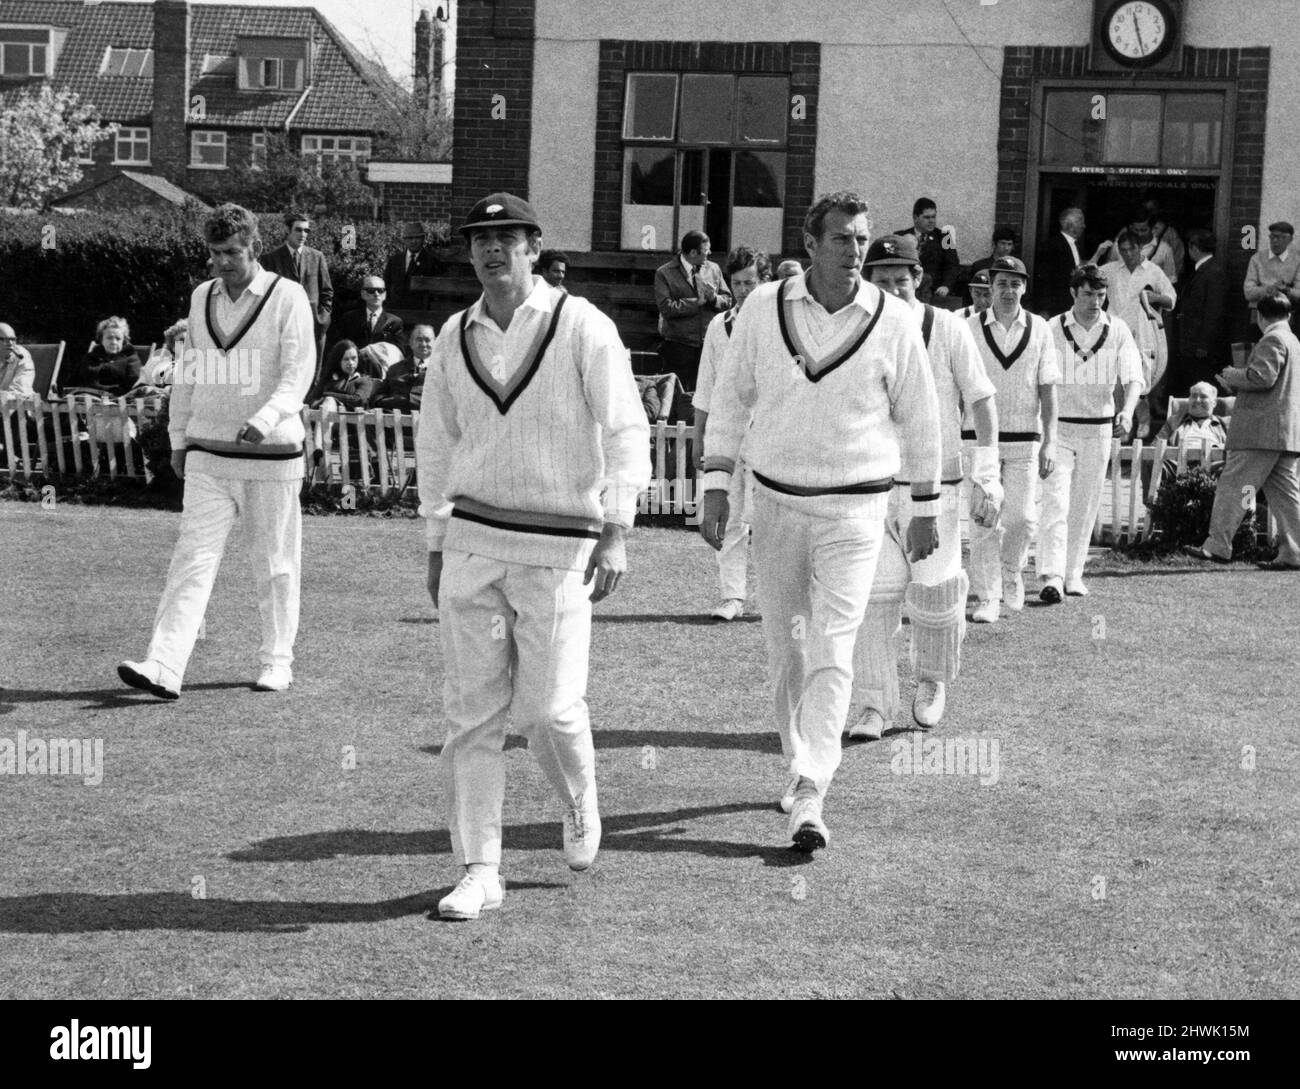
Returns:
<point x="371" y="323"/>
<point x="376" y="359"/>
<point x="1155" y="248"/>
<point x="1058" y="257"/>
<point x="1202" y="317"/>
<point x="1164" y="234"/>
<point x="938" y="254"/>
<point x="746" y="269"/>
<point x="297" y="261"/>
<point x="689" y="290"/>
<point x="345" y="386"/>
<point x="416" y="259"/>
<point x="1263" y="439"/>
<point x="157" y="371"/>
<point x="553" y="265"/>
<point x="787" y="268"/>
<point x="111" y="368"/>
<point x="1004" y="245"/>
<point x="1276" y="269"/>
<point x="403" y="385"/>
<point x="1140" y="294"/>
<point x="17" y="371"/>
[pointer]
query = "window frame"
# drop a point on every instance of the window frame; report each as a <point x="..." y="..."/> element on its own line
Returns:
<point x="47" y="46"/>
<point x="322" y="155"/>
<point x="196" y="143"/>
<point x="134" y="139"/>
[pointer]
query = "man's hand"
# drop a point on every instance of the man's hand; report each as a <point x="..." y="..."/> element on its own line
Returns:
<point x="1123" y="425"/>
<point x="435" y="575"/>
<point x="178" y="463"/>
<point x="608" y="561"/>
<point x="714" y="512"/>
<point x="922" y="537"/>
<point x="941" y="292"/>
<point x="1046" y="459"/>
<point x="704" y="290"/>
<point x="249" y="433"/>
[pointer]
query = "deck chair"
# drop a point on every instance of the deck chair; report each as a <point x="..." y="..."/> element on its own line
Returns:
<point x="47" y="359"/>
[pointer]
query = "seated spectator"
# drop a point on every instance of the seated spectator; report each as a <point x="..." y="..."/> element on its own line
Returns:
<point x="156" y="374"/>
<point x="787" y="268"/>
<point x="345" y="386"/>
<point x="376" y="359"/>
<point x="17" y="371"/>
<point x="111" y="368"/>
<point x="1004" y="245"/>
<point x="1197" y="422"/>
<point x="403" y="385"/>
<point x="552" y="266"/>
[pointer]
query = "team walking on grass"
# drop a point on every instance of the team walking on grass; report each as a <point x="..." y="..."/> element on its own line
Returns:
<point x="831" y="405"/>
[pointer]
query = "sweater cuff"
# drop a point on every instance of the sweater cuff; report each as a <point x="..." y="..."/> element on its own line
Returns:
<point x="717" y="480"/>
<point x="925" y="500"/>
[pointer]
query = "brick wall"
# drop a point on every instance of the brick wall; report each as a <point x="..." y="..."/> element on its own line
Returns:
<point x="800" y="60"/>
<point x="494" y="57"/>
<point x="1249" y="68"/>
<point x="417" y="200"/>
<point x="171" y="35"/>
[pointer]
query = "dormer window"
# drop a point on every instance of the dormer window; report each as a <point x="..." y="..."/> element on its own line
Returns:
<point x="272" y="64"/>
<point x="24" y="52"/>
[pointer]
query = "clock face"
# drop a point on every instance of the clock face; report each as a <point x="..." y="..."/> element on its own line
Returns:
<point x="1138" y="30"/>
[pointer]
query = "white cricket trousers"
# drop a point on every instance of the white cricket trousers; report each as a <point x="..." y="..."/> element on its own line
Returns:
<point x="733" y="556"/>
<point x="875" y="663"/>
<point x="272" y="521"/>
<point x="1002" y="552"/>
<point x="814" y="579"/>
<point x="1071" y="500"/>
<point x="515" y="642"/>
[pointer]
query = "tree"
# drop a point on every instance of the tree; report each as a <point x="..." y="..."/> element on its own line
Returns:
<point x="43" y="132"/>
<point x="410" y="132"/>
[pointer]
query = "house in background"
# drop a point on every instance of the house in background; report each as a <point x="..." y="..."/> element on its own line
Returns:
<point x="196" y="88"/>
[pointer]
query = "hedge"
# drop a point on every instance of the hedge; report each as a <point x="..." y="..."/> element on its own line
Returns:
<point x="143" y="266"/>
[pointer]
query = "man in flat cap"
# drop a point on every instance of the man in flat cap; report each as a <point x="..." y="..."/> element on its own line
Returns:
<point x="531" y="454"/>
<point x="1275" y="269"/>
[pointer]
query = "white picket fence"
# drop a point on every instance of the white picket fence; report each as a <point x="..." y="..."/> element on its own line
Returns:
<point x="374" y="451"/>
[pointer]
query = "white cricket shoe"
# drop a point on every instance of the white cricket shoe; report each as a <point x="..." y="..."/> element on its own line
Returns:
<point x="1013" y="593"/>
<point x="151" y="676"/>
<point x="582" y="831"/>
<point x="787" y="795"/>
<point x="1076" y="588"/>
<point x="731" y="609"/>
<point x="807" y="829"/>
<point x="927" y="706"/>
<point x="474" y="894"/>
<point x="985" y="612"/>
<point x="869" y="727"/>
<point x="273" y="679"/>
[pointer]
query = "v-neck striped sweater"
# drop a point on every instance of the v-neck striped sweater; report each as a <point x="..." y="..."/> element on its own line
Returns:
<point x="234" y="372"/>
<point x="531" y="439"/>
<point x="813" y="400"/>
<point x="1017" y="362"/>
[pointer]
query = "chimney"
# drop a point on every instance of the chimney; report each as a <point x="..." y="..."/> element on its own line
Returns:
<point x="424" y="58"/>
<point x="171" y="87"/>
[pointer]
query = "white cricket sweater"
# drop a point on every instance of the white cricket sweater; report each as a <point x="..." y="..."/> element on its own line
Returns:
<point x="834" y="400"/>
<point x="525" y="465"/>
<point x="248" y="361"/>
<point x="959" y="379"/>
<point x="714" y="352"/>
<point x="1092" y="360"/>
<point x="1017" y="361"/>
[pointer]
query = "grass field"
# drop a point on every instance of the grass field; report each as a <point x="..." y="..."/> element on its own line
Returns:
<point x="1124" y="850"/>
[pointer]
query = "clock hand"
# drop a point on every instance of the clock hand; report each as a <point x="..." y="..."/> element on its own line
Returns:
<point x="1137" y="29"/>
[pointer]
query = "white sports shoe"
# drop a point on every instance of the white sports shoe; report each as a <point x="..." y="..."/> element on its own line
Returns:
<point x="274" y="679"/>
<point x="927" y="707"/>
<point x="582" y="831"/>
<point x="985" y="612"/>
<point x="807" y="829"/>
<point x="1076" y="589"/>
<point x="151" y="676"/>
<point x="869" y="727"/>
<point x="1013" y="593"/>
<point x="731" y="609"/>
<point x="787" y="795"/>
<point x="472" y="895"/>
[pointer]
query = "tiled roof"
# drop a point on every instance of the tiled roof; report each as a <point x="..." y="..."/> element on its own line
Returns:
<point x="163" y="188"/>
<point x="346" y="88"/>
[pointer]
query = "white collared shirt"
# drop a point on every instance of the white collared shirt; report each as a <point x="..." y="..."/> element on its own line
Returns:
<point x="1007" y="336"/>
<point x="505" y="350"/>
<point x="1197" y="267"/>
<point x="1088" y="380"/>
<point x="1074" y="247"/>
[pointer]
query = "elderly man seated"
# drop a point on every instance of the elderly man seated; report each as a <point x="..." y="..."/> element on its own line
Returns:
<point x="17" y="371"/>
<point x="1197" y="422"/>
<point x="404" y="382"/>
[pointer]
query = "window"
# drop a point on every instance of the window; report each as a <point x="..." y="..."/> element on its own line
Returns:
<point x="333" y="149"/>
<point x="132" y="147"/>
<point x="1148" y="129"/>
<point x="208" y="150"/>
<point x="127" y="62"/>
<point x="271" y="64"/>
<point x="24" y="52"/>
<point x="704" y="151"/>
<point x="257" y="160"/>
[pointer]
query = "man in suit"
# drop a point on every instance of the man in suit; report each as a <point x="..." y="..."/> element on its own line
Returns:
<point x="1058" y="257"/>
<point x="1263" y="440"/>
<point x="689" y="290"/>
<point x="297" y="261"/>
<point x="1202" y="319"/>
<point x="371" y="324"/>
<point x="416" y="259"/>
<point x="939" y="260"/>
<point x="403" y="385"/>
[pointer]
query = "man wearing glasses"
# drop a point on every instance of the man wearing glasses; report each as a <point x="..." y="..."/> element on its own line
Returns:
<point x="371" y="324"/>
<point x="17" y="371"/>
<point x="297" y="261"/>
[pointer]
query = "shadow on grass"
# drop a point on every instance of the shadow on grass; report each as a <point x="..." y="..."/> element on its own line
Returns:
<point x="651" y="832"/>
<point x="667" y="739"/>
<point x="84" y="912"/>
<point x="104" y="699"/>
